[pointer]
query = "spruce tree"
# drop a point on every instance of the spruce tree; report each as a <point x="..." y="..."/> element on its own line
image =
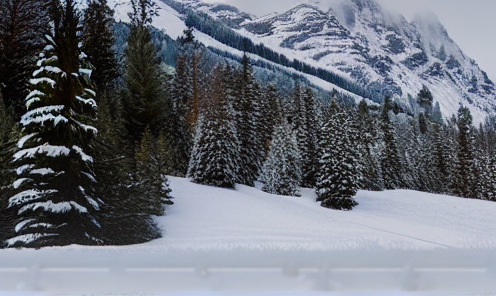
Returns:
<point x="215" y="151"/>
<point x="151" y="181"/>
<point x="186" y="88"/>
<point x="462" y="182"/>
<point x="281" y="172"/>
<point x="440" y="159"/>
<point x="126" y="215"/>
<point x="143" y="93"/>
<point x="390" y="162"/>
<point x="97" y="44"/>
<point x="304" y="122"/>
<point x="23" y="23"/>
<point x="370" y="177"/>
<point x="337" y="181"/>
<point x="248" y="113"/>
<point x="271" y="114"/>
<point x="54" y="194"/>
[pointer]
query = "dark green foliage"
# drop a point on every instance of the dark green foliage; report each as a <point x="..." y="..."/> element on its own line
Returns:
<point x="272" y="114"/>
<point x="97" y="44"/>
<point x="186" y="91"/>
<point x="124" y="216"/>
<point x="150" y="180"/>
<point x="440" y="159"/>
<point x="390" y="162"/>
<point x="305" y="126"/>
<point x="215" y="151"/>
<point x="247" y="110"/>
<point x="338" y="173"/>
<point x="143" y="95"/>
<point x="23" y="24"/>
<point x="6" y="121"/>
<point x="462" y="183"/>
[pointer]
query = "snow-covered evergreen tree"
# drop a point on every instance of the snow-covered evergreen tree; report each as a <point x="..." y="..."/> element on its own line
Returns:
<point x="337" y="181"/>
<point x="390" y="162"/>
<point x="308" y="141"/>
<point x="370" y="176"/>
<point x="281" y="173"/>
<point x="248" y="118"/>
<point x="271" y="114"/>
<point x="463" y="179"/>
<point x="215" y="150"/>
<point x="55" y="188"/>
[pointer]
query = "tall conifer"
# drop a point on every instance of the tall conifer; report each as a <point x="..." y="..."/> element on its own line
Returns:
<point x="54" y="194"/>
<point x="463" y="183"/>
<point x="390" y="162"/>
<point x="337" y="181"/>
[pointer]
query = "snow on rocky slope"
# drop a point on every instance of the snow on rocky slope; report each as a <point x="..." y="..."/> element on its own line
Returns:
<point x="229" y="240"/>
<point x="359" y="40"/>
<point x="374" y="47"/>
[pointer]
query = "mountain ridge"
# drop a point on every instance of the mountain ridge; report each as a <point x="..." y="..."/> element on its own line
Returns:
<point x="360" y="41"/>
<point x="376" y="48"/>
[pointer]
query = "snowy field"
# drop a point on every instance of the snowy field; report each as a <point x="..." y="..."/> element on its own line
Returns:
<point x="219" y="241"/>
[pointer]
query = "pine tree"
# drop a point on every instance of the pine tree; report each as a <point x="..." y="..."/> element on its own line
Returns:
<point x="97" y="43"/>
<point x="247" y="110"/>
<point x="125" y="216"/>
<point x="272" y="114"/>
<point x="390" y="162"/>
<point x="187" y="84"/>
<point x="22" y="25"/>
<point x="337" y="181"/>
<point x="55" y="188"/>
<point x="370" y="176"/>
<point x="440" y="165"/>
<point x="308" y="138"/>
<point x="215" y="151"/>
<point x="151" y="181"/>
<point x="281" y="170"/>
<point x="462" y="182"/>
<point x="143" y="93"/>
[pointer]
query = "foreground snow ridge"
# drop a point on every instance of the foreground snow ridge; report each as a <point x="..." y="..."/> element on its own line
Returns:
<point x="206" y="218"/>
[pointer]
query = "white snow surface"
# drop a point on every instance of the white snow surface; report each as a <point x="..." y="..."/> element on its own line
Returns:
<point x="213" y="218"/>
<point x="219" y="240"/>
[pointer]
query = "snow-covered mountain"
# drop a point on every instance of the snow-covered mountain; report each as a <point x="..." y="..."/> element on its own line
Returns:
<point x="358" y="40"/>
<point x="377" y="48"/>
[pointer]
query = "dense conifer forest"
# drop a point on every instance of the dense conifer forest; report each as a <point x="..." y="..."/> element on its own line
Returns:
<point x="94" y="115"/>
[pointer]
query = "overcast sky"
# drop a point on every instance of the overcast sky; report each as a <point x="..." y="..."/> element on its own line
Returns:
<point x="470" y="23"/>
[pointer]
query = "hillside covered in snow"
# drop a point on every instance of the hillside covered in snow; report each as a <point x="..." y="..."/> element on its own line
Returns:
<point x="225" y="240"/>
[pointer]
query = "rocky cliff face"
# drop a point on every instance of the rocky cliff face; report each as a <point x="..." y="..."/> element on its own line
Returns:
<point x="379" y="49"/>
